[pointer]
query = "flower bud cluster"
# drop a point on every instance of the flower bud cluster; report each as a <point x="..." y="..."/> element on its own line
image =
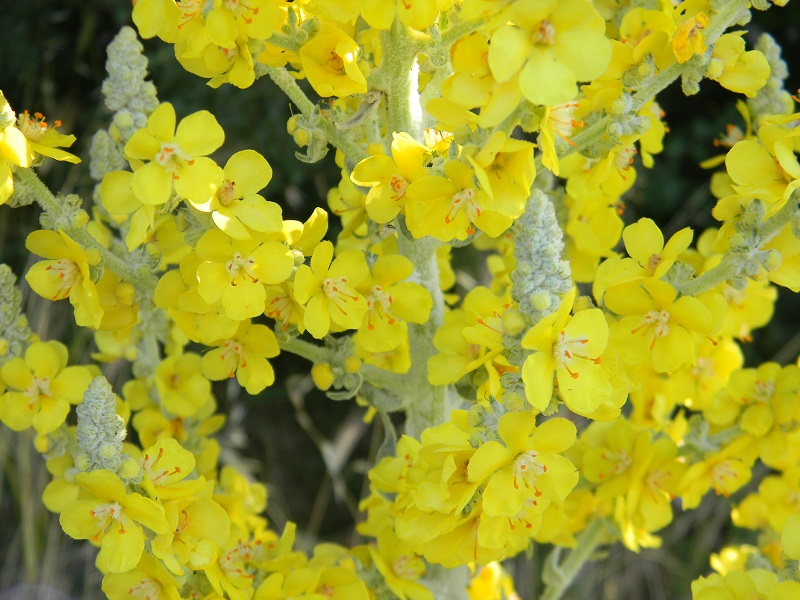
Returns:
<point x="772" y="99"/>
<point x="541" y="276"/>
<point x="125" y="90"/>
<point x="14" y="330"/>
<point x="746" y="243"/>
<point x="101" y="432"/>
<point x="308" y="132"/>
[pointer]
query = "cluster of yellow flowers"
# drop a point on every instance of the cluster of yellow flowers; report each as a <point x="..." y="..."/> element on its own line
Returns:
<point x="578" y="395"/>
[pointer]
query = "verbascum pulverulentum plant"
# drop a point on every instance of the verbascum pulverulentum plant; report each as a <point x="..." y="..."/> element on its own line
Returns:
<point x="588" y="389"/>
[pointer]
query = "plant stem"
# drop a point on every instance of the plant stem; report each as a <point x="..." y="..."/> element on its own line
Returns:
<point x="288" y="85"/>
<point x="595" y="132"/>
<point x="145" y="283"/>
<point x="588" y="541"/>
<point x="731" y="264"/>
<point x="424" y="402"/>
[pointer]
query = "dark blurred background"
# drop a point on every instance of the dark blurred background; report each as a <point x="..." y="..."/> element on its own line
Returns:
<point x="52" y="55"/>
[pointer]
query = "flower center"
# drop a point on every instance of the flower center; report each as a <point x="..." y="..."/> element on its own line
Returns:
<point x="150" y="466"/>
<point x="104" y="514"/>
<point x="567" y="349"/>
<point x="191" y="9"/>
<point x="146" y="589"/>
<point x="545" y="34"/>
<point x="36" y="127"/>
<point x="398" y="184"/>
<point x="335" y="63"/>
<point x="528" y="469"/>
<point x="763" y="391"/>
<point x="226" y="192"/>
<point x="464" y="199"/>
<point x="68" y="273"/>
<point x="242" y="9"/>
<point x="239" y="266"/>
<point x="171" y="157"/>
<point x="561" y="121"/>
<point x="652" y="263"/>
<point x="335" y="288"/>
<point x="657" y="320"/>
<point x="378" y="302"/>
<point x="620" y="462"/>
<point x="408" y="567"/>
<point x="721" y="474"/>
<point x="40" y="386"/>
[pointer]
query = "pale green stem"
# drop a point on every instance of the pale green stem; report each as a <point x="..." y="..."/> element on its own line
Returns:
<point x="459" y="30"/>
<point x="145" y="284"/>
<point x="588" y="541"/>
<point x="597" y="131"/>
<point x="288" y="85"/>
<point x="398" y="67"/>
<point x="307" y="350"/>
<point x="284" y="41"/>
<point x="731" y="264"/>
<point x="424" y="402"/>
<point x="27" y="508"/>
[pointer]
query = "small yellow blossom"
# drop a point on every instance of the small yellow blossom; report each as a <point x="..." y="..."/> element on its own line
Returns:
<point x="66" y="274"/>
<point x="113" y="518"/>
<point x="41" y="388"/>
<point x="330" y="63"/>
<point x="176" y="157"/>
<point x="328" y="290"/>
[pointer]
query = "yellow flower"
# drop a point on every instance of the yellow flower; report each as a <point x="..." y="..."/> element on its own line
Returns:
<point x="528" y="463"/>
<point x="738" y="70"/>
<point x="348" y="203"/>
<point x="758" y="584"/>
<point x="44" y="140"/>
<point x="156" y="18"/>
<point x="198" y="527"/>
<point x="470" y="338"/>
<point x="390" y="301"/>
<point x="650" y="257"/>
<point x="330" y="63"/>
<point x="166" y="465"/>
<point x="551" y="46"/>
<point x="400" y="566"/>
<point x="114" y="518"/>
<point x="639" y="475"/>
<point x="452" y="207"/>
<point x="236" y="271"/>
<point x="65" y="275"/>
<point x="689" y="39"/>
<point x="181" y="386"/>
<point x="13" y="149"/>
<point x="236" y="207"/>
<point x="148" y="580"/>
<point x="570" y="349"/>
<point x="41" y="388"/>
<point x="328" y="290"/>
<point x="389" y="178"/>
<point x="226" y="21"/>
<point x="657" y="326"/>
<point x="417" y="14"/>
<point x="176" y="156"/>
<point x="726" y="471"/>
<point x="245" y="356"/>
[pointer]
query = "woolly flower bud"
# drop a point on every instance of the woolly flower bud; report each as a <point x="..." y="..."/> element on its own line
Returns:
<point x="100" y="429"/>
<point x="541" y="277"/>
<point x="104" y="156"/>
<point x="14" y="330"/>
<point x="125" y="86"/>
<point x="772" y="99"/>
